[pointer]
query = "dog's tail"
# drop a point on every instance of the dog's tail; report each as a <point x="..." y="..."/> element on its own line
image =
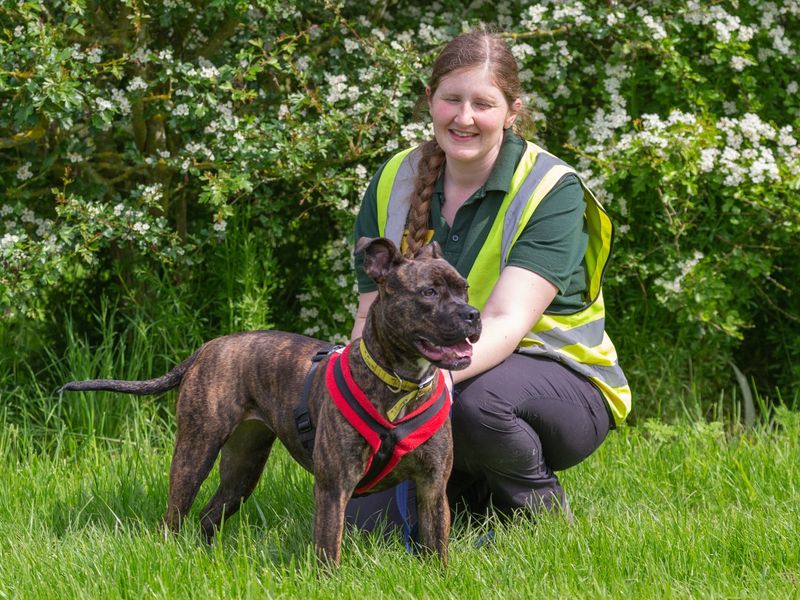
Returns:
<point x="140" y="388"/>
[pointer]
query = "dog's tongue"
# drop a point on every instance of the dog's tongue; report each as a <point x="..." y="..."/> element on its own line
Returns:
<point x="435" y="353"/>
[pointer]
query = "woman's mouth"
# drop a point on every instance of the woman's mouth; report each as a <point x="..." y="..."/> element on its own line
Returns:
<point x="462" y="135"/>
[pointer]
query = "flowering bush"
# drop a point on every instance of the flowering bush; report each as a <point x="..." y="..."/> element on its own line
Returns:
<point x="132" y="133"/>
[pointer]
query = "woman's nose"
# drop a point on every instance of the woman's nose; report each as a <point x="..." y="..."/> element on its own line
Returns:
<point x="464" y="115"/>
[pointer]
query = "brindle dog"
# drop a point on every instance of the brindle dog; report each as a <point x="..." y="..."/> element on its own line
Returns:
<point x="238" y="393"/>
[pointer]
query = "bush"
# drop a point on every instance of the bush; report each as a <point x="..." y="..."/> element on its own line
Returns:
<point x="223" y="151"/>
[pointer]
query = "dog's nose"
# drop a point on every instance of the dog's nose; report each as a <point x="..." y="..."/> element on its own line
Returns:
<point x="470" y="314"/>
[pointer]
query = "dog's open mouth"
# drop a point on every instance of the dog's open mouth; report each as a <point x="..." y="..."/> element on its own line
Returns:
<point x="454" y="356"/>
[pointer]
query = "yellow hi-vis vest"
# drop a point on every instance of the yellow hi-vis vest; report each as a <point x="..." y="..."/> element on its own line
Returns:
<point x="577" y="339"/>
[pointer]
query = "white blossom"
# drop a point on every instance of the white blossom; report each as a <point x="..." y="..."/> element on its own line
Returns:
<point x="708" y="158"/>
<point x="137" y="83"/>
<point x="94" y="55"/>
<point x="24" y="172"/>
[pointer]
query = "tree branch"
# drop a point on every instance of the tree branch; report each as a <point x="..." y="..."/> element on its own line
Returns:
<point x="24" y="137"/>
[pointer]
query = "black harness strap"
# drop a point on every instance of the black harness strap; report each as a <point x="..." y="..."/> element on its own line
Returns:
<point x="302" y="418"/>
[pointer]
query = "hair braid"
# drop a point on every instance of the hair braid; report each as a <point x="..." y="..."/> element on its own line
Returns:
<point x="429" y="167"/>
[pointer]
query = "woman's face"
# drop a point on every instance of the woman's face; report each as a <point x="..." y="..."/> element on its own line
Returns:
<point x="469" y="114"/>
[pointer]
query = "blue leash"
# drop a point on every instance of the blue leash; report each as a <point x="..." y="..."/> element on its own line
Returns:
<point x="410" y="532"/>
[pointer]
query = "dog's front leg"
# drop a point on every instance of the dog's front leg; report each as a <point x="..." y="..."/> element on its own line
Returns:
<point x="434" y="518"/>
<point x="329" y="509"/>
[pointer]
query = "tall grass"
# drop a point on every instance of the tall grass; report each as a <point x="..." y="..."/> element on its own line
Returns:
<point x="695" y="508"/>
<point x="676" y="511"/>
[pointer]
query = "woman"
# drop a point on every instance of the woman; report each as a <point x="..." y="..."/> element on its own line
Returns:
<point x="544" y="386"/>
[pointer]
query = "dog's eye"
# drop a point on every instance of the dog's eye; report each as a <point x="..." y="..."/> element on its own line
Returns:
<point x="429" y="292"/>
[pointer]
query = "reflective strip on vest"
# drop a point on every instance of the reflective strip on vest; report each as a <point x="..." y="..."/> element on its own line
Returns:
<point x="396" y="185"/>
<point x="578" y="339"/>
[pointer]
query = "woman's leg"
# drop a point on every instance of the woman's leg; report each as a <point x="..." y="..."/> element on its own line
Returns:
<point x="512" y="427"/>
<point x="516" y="424"/>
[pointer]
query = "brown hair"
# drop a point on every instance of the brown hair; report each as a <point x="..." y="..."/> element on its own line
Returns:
<point x="475" y="48"/>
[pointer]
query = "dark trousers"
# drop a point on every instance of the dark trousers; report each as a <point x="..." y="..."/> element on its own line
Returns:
<point x="513" y="427"/>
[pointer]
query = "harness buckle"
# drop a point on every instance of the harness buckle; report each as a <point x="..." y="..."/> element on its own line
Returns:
<point x="302" y="420"/>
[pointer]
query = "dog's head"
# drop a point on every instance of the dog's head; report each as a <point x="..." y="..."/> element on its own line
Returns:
<point x="422" y="302"/>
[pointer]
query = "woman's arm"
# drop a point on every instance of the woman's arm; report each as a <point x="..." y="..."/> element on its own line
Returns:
<point x="518" y="300"/>
<point x="516" y="303"/>
<point x="365" y="299"/>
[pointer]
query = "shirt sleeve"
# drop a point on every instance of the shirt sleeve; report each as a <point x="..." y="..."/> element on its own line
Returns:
<point x="553" y="242"/>
<point x="367" y="225"/>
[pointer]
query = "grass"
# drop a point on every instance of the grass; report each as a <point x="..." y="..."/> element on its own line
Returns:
<point x="662" y="511"/>
<point x="684" y="510"/>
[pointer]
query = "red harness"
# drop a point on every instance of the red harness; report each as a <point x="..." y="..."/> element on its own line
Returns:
<point x="388" y="442"/>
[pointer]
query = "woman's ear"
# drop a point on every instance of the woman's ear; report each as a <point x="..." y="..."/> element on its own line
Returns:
<point x="513" y="111"/>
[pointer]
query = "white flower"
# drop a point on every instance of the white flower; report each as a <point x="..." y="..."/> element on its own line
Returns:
<point x="9" y="239"/>
<point x="19" y="31"/>
<point x="207" y="69"/>
<point x="103" y="104"/>
<point x="181" y="110"/>
<point x="350" y="45"/>
<point x="780" y="42"/>
<point x="738" y="63"/>
<point x="141" y="56"/>
<point x="520" y="51"/>
<point x="220" y="226"/>
<point x="361" y="171"/>
<point x="6" y="210"/>
<point x="655" y="27"/>
<point x="140" y="227"/>
<point x="94" y="55"/>
<point x="24" y="172"/>
<point x="613" y="18"/>
<point x="792" y="87"/>
<point x="137" y="83"/>
<point x="708" y="157"/>
<point x="534" y="16"/>
<point x="283" y="111"/>
<point x="309" y="313"/>
<point x="415" y="132"/>
<point x="785" y="137"/>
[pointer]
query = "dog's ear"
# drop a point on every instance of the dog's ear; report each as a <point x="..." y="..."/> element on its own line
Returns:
<point x="380" y="255"/>
<point x="432" y="250"/>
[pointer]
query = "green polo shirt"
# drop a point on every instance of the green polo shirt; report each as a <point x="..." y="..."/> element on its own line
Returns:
<point x="552" y="244"/>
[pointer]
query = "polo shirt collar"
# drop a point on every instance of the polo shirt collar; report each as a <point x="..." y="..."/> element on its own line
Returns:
<point x="500" y="178"/>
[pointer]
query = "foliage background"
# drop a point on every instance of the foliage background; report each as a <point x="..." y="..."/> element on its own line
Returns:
<point x="176" y="170"/>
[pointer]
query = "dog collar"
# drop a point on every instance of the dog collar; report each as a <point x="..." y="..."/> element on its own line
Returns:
<point x="395" y="383"/>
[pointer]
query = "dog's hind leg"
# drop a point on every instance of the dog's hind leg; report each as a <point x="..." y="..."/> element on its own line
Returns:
<point x="192" y="461"/>
<point x="243" y="459"/>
